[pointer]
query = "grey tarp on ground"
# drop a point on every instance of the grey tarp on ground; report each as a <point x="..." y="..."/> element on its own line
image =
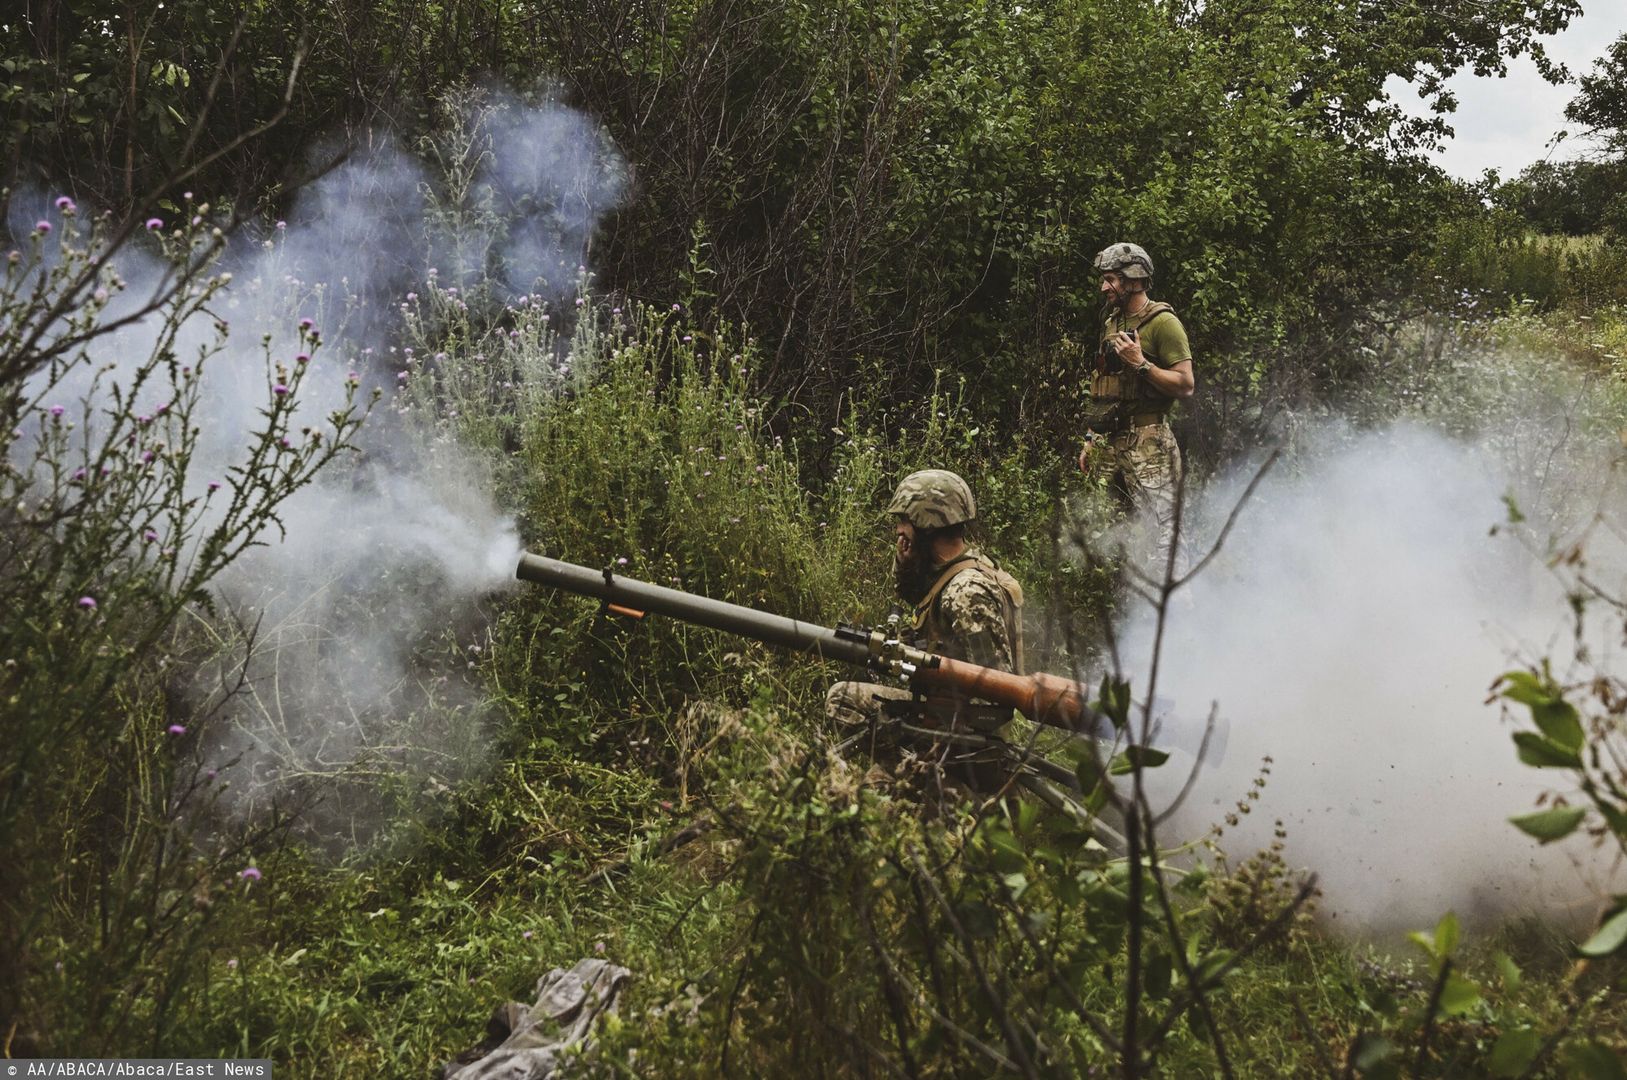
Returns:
<point x="527" y="1042"/>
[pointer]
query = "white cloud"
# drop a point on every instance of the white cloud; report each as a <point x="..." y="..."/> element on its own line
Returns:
<point x="1508" y="123"/>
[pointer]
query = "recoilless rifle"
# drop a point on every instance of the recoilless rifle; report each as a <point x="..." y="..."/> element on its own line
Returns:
<point x="1044" y="699"/>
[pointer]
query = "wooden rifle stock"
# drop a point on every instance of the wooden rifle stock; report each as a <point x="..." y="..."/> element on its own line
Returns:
<point x="1044" y="699"/>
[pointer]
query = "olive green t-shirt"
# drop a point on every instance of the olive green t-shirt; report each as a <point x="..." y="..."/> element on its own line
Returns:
<point x="1162" y="337"/>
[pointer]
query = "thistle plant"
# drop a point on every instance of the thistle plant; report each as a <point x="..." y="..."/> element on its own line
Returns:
<point x="117" y="509"/>
<point x="111" y="526"/>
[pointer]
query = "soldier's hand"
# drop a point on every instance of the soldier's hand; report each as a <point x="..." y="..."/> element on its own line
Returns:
<point x="1128" y="348"/>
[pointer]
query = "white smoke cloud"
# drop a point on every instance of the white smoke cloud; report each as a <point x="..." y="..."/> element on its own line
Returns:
<point x="379" y="574"/>
<point x="364" y="610"/>
<point x="1350" y="629"/>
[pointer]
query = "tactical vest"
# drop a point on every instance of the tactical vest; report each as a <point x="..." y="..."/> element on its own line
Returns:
<point x="931" y="629"/>
<point x="1118" y="396"/>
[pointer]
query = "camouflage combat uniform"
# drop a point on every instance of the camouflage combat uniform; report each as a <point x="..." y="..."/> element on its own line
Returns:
<point x="1130" y="440"/>
<point x="972" y="613"/>
<point x="1130" y="419"/>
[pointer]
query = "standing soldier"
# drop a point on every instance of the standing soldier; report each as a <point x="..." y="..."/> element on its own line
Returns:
<point x="1143" y="365"/>
<point x="963" y="607"/>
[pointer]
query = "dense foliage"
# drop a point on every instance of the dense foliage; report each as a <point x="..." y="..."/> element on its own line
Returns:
<point x="923" y="183"/>
<point x="848" y="243"/>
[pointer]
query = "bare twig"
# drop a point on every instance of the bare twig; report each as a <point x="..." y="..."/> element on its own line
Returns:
<point x="1231" y="519"/>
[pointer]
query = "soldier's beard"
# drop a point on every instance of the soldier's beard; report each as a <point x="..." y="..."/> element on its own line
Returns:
<point x="912" y="577"/>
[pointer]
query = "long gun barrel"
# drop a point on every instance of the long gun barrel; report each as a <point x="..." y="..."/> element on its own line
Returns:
<point x="1045" y="699"/>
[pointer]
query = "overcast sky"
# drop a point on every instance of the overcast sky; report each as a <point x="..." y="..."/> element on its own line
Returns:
<point x="1506" y="124"/>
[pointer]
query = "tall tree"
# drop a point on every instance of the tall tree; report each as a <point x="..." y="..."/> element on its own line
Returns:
<point x="1601" y="106"/>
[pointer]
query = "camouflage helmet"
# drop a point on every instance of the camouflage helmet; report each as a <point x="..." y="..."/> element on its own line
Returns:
<point x="1131" y="260"/>
<point x="933" y="499"/>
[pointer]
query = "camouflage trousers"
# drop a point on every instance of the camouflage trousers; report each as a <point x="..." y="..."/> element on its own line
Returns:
<point x="859" y="704"/>
<point x="1143" y="467"/>
<point x="857" y="707"/>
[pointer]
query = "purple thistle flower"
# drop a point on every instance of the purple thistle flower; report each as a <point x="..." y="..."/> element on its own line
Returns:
<point x="187" y="195"/>
<point x="250" y="873"/>
<point x="306" y="324"/>
<point x="232" y="964"/>
<point x="147" y="456"/>
<point x="598" y="946"/>
<point x="622" y="561"/>
<point x="353" y="378"/>
<point x="65" y="204"/>
<point x="154" y="224"/>
<point x="284" y="443"/>
<point x="526" y="935"/>
<point x="302" y="358"/>
<point x="214" y="485"/>
<point x="100" y="296"/>
<point x="149" y="536"/>
<point x="88" y="603"/>
<point x="401" y="376"/>
<point x="279" y="389"/>
<point x="79" y="474"/>
<point x="176" y="729"/>
<point x="210" y="775"/>
<point x="676" y="307"/>
<point x="282" y="224"/>
<point x="57" y="410"/>
<point x="42" y="226"/>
